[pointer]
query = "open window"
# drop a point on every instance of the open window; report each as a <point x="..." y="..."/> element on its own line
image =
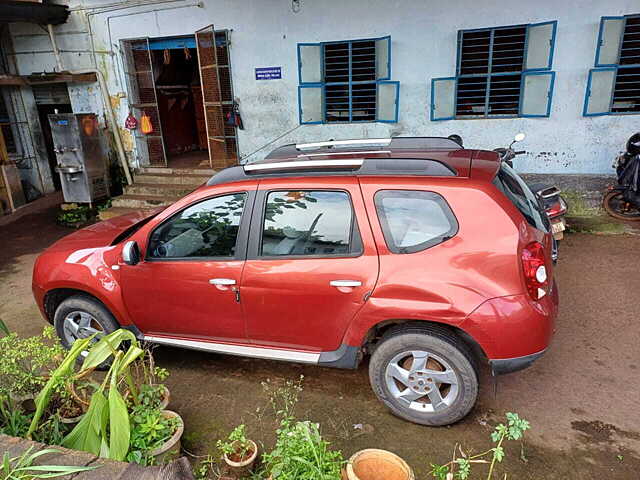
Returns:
<point x="502" y="72"/>
<point x="613" y="86"/>
<point x="346" y="82"/>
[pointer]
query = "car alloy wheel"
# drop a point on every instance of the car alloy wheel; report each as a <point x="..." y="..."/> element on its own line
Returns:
<point x="422" y="381"/>
<point x="425" y="374"/>
<point x="79" y="324"/>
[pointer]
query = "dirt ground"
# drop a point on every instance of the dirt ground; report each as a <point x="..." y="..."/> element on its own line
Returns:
<point x="581" y="398"/>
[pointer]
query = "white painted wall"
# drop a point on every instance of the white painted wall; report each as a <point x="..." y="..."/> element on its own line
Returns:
<point x="265" y="33"/>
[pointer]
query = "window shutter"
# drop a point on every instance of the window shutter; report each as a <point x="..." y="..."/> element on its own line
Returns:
<point x="609" y="38"/>
<point x="541" y="39"/>
<point x="387" y="101"/>
<point x="383" y="58"/>
<point x="537" y="92"/>
<point x="443" y="98"/>
<point x="310" y="104"/>
<point x="599" y="91"/>
<point x="310" y="62"/>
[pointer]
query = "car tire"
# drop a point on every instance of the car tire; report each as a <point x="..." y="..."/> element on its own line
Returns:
<point x="86" y="313"/>
<point x="443" y="386"/>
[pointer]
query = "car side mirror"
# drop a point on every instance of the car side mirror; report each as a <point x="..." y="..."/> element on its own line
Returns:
<point x="131" y="253"/>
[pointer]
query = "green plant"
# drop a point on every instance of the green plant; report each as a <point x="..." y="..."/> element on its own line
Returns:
<point x="104" y="429"/>
<point x="22" y="467"/>
<point x="3" y="327"/>
<point x="76" y="216"/>
<point x="283" y="399"/>
<point x="302" y="454"/>
<point x="149" y="430"/>
<point x="237" y="446"/>
<point x="51" y="432"/>
<point x="460" y="467"/>
<point x="206" y="468"/>
<point x="146" y="374"/>
<point x="13" y="421"/>
<point x="25" y="363"/>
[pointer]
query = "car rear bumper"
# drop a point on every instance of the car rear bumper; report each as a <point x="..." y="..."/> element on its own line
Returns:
<point x="512" y="329"/>
<point x="510" y="365"/>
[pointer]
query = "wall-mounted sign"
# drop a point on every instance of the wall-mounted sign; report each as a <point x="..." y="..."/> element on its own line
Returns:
<point x="269" y="73"/>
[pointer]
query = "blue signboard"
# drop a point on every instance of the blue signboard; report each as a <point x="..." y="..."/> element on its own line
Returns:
<point x="269" y="73"/>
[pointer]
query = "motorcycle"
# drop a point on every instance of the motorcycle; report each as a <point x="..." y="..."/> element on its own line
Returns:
<point x="623" y="200"/>
<point x="554" y="205"/>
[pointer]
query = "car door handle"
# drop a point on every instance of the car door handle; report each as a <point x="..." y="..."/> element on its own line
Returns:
<point x="222" y="281"/>
<point x="345" y="283"/>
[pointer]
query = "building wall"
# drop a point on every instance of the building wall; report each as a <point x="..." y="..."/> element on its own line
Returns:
<point x="424" y="34"/>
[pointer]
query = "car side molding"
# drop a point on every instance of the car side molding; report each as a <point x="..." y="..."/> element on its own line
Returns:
<point x="240" y="350"/>
<point x="346" y="357"/>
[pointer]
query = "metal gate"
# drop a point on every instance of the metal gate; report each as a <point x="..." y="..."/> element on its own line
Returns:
<point x="138" y="69"/>
<point x="221" y="149"/>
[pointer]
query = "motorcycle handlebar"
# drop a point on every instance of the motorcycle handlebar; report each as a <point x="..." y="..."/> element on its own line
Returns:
<point x="520" y="152"/>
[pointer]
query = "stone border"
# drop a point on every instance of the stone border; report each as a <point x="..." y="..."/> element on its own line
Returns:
<point x="108" y="469"/>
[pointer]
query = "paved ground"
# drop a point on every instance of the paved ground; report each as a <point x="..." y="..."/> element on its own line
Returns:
<point x="581" y="398"/>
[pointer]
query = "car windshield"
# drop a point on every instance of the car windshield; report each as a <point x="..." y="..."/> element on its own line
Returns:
<point x="516" y="190"/>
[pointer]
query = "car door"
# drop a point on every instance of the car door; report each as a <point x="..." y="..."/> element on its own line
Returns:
<point x="186" y="286"/>
<point x="311" y="263"/>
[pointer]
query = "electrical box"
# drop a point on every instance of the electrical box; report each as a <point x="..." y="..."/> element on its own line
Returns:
<point x="80" y="159"/>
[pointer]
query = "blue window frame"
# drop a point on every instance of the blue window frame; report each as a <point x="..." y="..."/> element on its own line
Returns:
<point x="501" y="72"/>
<point x="613" y="86"/>
<point x="347" y="82"/>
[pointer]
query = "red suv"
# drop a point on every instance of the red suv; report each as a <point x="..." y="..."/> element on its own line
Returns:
<point x="426" y="257"/>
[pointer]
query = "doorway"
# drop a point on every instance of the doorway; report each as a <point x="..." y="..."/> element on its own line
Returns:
<point x="172" y="67"/>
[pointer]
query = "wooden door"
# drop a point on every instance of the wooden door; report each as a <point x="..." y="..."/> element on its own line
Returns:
<point x="141" y="84"/>
<point x="221" y="149"/>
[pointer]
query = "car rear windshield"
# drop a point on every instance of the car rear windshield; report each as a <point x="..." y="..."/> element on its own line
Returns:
<point x="516" y="190"/>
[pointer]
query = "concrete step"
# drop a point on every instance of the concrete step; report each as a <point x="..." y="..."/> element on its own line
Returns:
<point x="168" y="190"/>
<point x="171" y="179"/>
<point x="142" y="201"/>
<point x="117" y="211"/>
<point x="176" y="171"/>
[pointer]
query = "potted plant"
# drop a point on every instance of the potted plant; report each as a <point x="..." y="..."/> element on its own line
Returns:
<point x="302" y="453"/>
<point x="150" y="377"/>
<point x="72" y="399"/>
<point x="238" y="451"/>
<point x="104" y="429"/>
<point x="155" y="435"/>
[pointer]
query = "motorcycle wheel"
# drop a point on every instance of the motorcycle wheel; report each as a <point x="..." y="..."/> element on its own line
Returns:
<point x="616" y="206"/>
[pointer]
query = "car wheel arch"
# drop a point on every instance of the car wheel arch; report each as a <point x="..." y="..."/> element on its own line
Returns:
<point x="54" y="297"/>
<point x="381" y="330"/>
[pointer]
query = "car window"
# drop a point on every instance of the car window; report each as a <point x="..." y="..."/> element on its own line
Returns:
<point x="414" y="220"/>
<point x="314" y="223"/>
<point x="517" y="191"/>
<point x="206" y="229"/>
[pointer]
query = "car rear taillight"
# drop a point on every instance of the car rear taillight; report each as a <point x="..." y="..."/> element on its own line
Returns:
<point x="534" y="268"/>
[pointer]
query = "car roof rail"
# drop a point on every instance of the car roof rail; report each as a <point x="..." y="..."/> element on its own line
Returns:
<point x="304" y="164"/>
<point x="344" y="143"/>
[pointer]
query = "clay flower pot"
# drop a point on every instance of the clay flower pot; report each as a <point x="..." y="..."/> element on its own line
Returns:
<point x="170" y="449"/>
<point x="243" y="465"/>
<point x="374" y="464"/>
